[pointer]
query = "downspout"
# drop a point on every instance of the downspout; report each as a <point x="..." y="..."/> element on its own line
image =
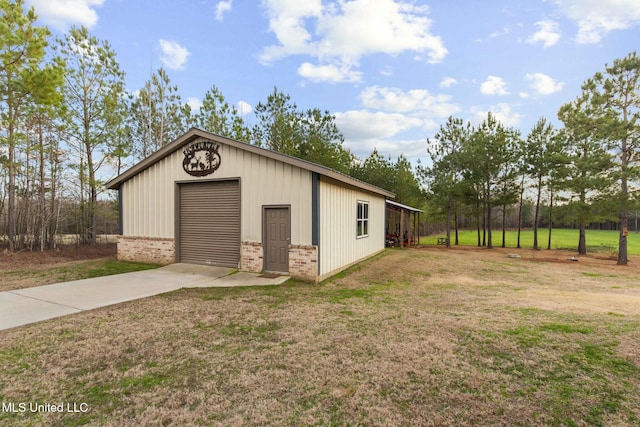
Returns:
<point x="315" y="215"/>
<point x="120" y="232"/>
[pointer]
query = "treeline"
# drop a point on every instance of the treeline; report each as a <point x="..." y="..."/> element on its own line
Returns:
<point x="580" y="174"/>
<point x="67" y="124"/>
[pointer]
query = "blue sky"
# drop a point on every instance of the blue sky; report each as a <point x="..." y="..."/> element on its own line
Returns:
<point x="390" y="71"/>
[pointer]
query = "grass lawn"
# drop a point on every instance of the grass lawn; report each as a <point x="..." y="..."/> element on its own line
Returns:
<point x="597" y="240"/>
<point x="412" y="337"/>
<point x="32" y="275"/>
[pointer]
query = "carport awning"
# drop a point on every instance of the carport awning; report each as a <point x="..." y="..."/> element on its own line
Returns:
<point x="395" y="205"/>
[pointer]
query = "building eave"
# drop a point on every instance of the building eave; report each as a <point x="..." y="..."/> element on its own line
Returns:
<point x="396" y="205"/>
<point x="195" y="133"/>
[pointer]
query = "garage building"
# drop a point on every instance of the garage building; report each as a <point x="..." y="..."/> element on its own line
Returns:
<point x="206" y="199"/>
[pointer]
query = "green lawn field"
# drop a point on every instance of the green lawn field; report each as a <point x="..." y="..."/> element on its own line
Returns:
<point x="597" y="240"/>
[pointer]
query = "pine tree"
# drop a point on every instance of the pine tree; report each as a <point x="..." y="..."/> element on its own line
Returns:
<point x="540" y="159"/>
<point x="94" y="99"/>
<point x="155" y="115"/>
<point x="445" y="177"/>
<point x="311" y="135"/>
<point x="587" y="164"/>
<point x="24" y="82"/>
<point x="614" y="116"/>
<point x="216" y="115"/>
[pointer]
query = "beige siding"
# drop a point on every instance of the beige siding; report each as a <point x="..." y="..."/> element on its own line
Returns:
<point x="338" y="243"/>
<point x="148" y="198"/>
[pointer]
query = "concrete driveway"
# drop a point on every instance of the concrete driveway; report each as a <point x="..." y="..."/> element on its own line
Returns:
<point x="30" y="305"/>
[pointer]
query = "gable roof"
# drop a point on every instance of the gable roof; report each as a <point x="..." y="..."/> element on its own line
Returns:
<point x="195" y="133"/>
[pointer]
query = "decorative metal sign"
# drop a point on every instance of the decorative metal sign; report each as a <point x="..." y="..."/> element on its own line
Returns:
<point x="201" y="158"/>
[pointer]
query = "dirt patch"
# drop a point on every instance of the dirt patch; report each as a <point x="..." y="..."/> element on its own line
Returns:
<point x="24" y="269"/>
<point x="65" y="253"/>
<point x="548" y="279"/>
<point x="542" y="255"/>
<point x="568" y="260"/>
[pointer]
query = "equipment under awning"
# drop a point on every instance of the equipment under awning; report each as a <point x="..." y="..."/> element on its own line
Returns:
<point x="401" y="226"/>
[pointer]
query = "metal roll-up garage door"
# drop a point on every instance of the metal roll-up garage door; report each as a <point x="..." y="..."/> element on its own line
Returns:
<point x="209" y="223"/>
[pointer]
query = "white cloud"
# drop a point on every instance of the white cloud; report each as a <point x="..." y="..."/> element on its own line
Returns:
<point x="413" y="149"/>
<point x="61" y="14"/>
<point x="365" y="130"/>
<point x="364" y="124"/>
<point x="244" y="108"/>
<point x="494" y="86"/>
<point x="173" y="55"/>
<point x="343" y="32"/>
<point x="387" y="71"/>
<point x="417" y="102"/>
<point x="223" y="7"/>
<point x="523" y="95"/>
<point x="548" y="33"/>
<point x="194" y="103"/>
<point x="501" y="111"/>
<point x="389" y="112"/>
<point x="329" y="73"/>
<point x="596" y="18"/>
<point x="494" y="35"/>
<point x="286" y="21"/>
<point x="448" y="82"/>
<point x="543" y="84"/>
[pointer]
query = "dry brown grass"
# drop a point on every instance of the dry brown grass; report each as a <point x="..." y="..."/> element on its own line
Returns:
<point x="413" y="337"/>
<point x="24" y="269"/>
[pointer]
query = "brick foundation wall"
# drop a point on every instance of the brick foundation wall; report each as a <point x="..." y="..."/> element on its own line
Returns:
<point x="303" y="259"/>
<point x="152" y="250"/>
<point x="303" y="262"/>
<point x="251" y="256"/>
